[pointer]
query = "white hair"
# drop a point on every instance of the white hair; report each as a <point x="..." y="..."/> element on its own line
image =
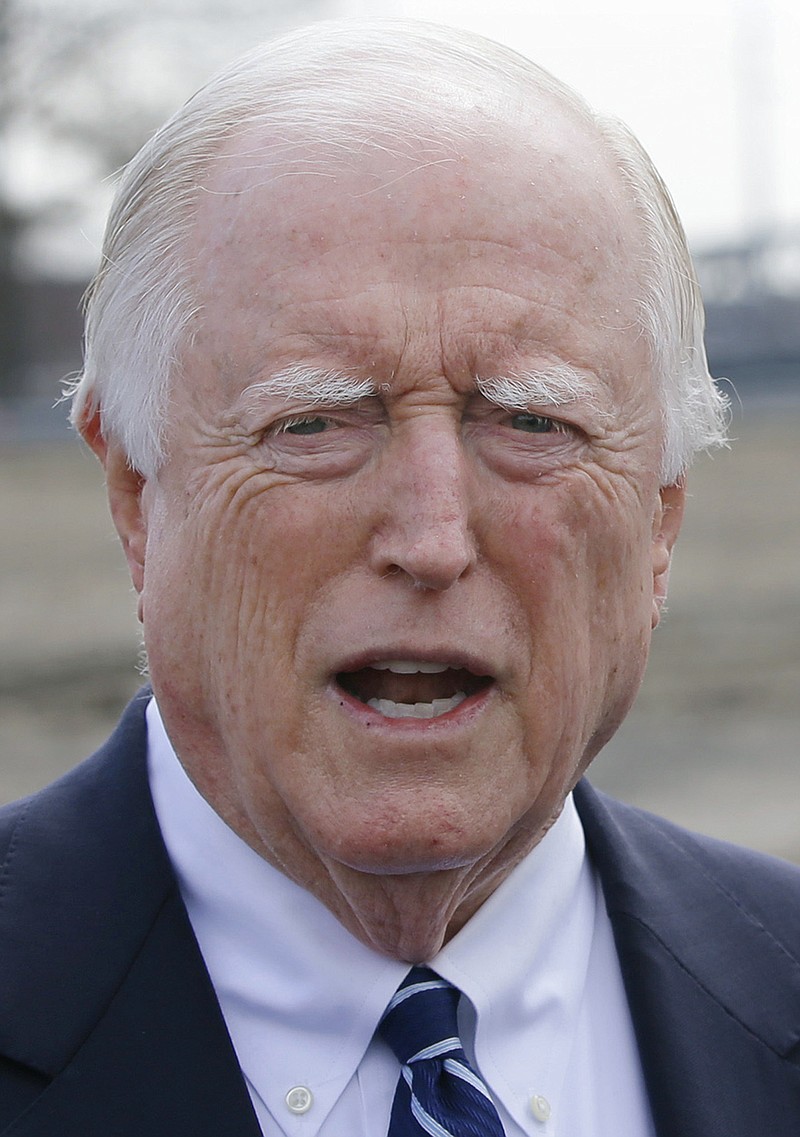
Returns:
<point x="314" y="387"/>
<point x="557" y="387"/>
<point x="694" y="410"/>
<point x="340" y="85"/>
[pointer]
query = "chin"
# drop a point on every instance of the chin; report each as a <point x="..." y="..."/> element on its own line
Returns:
<point x="408" y="849"/>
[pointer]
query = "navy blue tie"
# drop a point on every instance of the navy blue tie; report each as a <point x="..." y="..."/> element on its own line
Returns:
<point x="438" y="1093"/>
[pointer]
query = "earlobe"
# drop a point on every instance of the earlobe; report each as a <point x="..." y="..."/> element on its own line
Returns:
<point x="666" y="526"/>
<point x="125" y="487"/>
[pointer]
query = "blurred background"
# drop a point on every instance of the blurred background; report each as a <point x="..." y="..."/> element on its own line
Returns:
<point x="712" y="88"/>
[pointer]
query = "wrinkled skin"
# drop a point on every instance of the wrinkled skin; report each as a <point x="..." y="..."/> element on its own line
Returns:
<point x="423" y="524"/>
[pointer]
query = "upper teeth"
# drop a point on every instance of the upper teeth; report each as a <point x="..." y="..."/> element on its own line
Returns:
<point x="409" y="666"/>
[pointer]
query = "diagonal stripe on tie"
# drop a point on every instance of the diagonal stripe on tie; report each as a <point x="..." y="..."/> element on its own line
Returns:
<point x="438" y="1092"/>
<point x="427" y="1123"/>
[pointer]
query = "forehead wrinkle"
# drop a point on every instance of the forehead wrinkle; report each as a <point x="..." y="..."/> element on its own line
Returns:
<point x="553" y="387"/>
<point x="313" y="386"/>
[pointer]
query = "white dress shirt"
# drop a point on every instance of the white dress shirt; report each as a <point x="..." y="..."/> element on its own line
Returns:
<point x="545" y="1019"/>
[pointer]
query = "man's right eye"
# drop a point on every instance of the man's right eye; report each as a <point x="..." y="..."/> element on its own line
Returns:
<point x="309" y="425"/>
<point x="533" y="424"/>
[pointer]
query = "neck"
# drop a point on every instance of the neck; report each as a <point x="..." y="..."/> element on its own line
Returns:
<point x="411" y="916"/>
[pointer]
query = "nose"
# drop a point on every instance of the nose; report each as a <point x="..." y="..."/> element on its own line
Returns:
<point x="425" y="530"/>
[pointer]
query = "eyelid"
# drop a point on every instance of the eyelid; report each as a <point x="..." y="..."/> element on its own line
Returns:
<point x="559" y="416"/>
<point x="556" y="425"/>
<point x="351" y="414"/>
<point x="285" y="424"/>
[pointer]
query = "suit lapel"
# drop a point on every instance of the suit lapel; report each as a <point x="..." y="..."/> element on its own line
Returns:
<point x="715" y="997"/>
<point x="107" y="995"/>
<point x="159" y="1061"/>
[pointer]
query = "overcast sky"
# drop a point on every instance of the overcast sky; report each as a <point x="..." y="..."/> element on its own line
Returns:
<point x="712" y="88"/>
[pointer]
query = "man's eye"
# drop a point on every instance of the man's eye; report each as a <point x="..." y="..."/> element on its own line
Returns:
<point x="533" y="424"/>
<point x="309" y="425"/>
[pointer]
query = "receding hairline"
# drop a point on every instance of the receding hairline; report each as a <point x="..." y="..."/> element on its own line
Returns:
<point x="436" y="113"/>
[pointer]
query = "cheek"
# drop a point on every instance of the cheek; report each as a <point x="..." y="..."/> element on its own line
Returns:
<point x="287" y="545"/>
<point x="261" y="566"/>
<point x="609" y="534"/>
<point x="230" y="585"/>
<point x="615" y="562"/>
<point x="581" y="567"/>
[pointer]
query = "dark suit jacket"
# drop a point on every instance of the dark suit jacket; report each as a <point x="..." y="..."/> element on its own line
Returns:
<point x="109" y="1026"/>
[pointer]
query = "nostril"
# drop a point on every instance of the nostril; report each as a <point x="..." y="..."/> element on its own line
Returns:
<point x="425" y="531"/>
<point x="433" y="563"/>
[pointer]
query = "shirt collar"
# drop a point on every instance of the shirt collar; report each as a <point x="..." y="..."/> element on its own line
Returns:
<point x="523" y="961"/>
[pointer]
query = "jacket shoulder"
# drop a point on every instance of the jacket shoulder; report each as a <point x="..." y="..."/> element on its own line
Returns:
<point x="69" y="855"/>
<point x="109" y="1022"/>
<point x="672" y="858"/>
<point x="723" y="918"/>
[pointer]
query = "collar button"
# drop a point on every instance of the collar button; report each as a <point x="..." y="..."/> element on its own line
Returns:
<point x="540" y="1107"/>
<point x="299" y="1099"/>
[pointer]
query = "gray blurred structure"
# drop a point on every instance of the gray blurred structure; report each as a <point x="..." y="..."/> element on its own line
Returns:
<point x="81" y="88"/>
<point x="752" y="294"/>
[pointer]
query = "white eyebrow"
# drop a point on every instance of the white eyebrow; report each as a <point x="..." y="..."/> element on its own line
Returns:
<point x="554" y="387"/>
<point x="312" y="386"/>
<point x="316" y="387"/>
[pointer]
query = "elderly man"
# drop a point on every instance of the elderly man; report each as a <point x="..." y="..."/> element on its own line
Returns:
<point x="395" y="366"/>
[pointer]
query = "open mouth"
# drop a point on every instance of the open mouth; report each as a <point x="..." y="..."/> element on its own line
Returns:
<point x="412" y="689"/>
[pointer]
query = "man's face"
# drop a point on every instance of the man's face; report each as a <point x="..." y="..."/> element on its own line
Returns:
<point x="388" y="635"/>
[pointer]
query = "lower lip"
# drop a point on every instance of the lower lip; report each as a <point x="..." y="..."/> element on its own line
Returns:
<point x="459" y="716"/>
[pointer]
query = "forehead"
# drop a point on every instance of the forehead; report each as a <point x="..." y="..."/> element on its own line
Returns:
<point x="519" y="225"/>
<point x="526" y="165"/>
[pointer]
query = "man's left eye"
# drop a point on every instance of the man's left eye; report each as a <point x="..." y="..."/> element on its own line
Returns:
<point x="315" y="425"/>
<point x="533" y="424"/>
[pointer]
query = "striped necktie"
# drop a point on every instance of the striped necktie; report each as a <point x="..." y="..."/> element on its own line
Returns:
<point x="438" y="1092"/>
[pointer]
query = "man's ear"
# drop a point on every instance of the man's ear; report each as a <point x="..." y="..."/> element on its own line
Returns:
<point x="666" y="526"/>
<point x="124" y="486"/>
